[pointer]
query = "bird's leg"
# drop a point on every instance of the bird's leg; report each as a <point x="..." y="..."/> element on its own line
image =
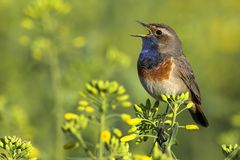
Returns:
<point x="161" y="139"/>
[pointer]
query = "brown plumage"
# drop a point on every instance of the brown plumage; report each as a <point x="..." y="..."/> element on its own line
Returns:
<point x="161" y="72"/>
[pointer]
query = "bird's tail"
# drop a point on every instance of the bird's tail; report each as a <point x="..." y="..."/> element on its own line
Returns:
<point x="198" y="115"/>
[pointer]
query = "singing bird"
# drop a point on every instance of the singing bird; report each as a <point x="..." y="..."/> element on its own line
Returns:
<point x="164" y="69"/>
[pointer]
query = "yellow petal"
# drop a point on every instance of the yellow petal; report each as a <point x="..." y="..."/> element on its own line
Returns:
<point x="83" y="103"/>
<point x="117" y="132"/>
<point x="89" y="109"/>
<point x="69" y="116"/>
<point x="133" y="121"/>
<point x="105" y="136"/>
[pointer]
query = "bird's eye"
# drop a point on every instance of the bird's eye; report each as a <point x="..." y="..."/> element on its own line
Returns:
<point x="158" y="32"/>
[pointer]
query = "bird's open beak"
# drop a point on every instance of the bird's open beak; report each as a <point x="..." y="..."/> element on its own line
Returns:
<point x="147" y="26"/>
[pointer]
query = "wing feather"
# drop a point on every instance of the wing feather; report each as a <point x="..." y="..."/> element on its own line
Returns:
<point x="186" y="73"/>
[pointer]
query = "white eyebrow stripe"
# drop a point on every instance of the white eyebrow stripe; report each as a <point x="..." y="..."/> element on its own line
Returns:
<point x="166" y="32"/>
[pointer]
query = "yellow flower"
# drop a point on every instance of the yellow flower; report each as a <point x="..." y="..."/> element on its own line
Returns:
<point x="34" y="153"/>
<point x="27" y="23"/>
<point x="132" y="129"/>
<point x="126" y="104"/>
<point x="79" y="42"/>
<point x="133" y="121"/>
<point x="117" y="132"/>
<point x="189" y="105"/>
<point x="70" y="116"/>
<point x="83" y="103"/>
<point x="81" y="108"/>
<point x="125" y="117"/>
<point x="128" y="138"/>
<point x="82" y="94"/>
<point x="192" y="127"/>
<point x="114" y="106"/>
<point x="89" y="109"/>
<point x="123" y="97"/>
<point x="105" y="136"/>
<point x="121" y="90"/>
<point x="37" y="54"/>
<point x="141" y="157"/>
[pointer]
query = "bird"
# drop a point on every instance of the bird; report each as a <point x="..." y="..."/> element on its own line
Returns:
<point x="163" y="68"/>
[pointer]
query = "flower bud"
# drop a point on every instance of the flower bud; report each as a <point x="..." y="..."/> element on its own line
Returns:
<point x="137" y="108"/>
<point x="128" y="138"/>
<point x="189" y="105"/>
<point x="192" y="127"/>
<point x="164" y="98"/>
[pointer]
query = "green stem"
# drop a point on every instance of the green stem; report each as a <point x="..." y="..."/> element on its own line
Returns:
<point x="174" y="111"/>
<point x="182" y="110"/>
<point x="113" y="116"/>
<point x="174" y="129"/>
<point x="146" y="135"/>
<point x="83" y="144"/>
<point x="102" y="126"/>
<point x="57" y="102"/>
<point x="150" y="122"/>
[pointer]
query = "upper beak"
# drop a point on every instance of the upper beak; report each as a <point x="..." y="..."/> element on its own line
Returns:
<point x="147" y="26"/>
<point x="144" y="24"/>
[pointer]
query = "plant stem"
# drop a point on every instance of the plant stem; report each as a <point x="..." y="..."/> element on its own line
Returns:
<point x="57" y="102"/>
<point x="174" y="111"/>
<point x="102" y="126"/>
<point x="174" y="129"/>
<point x="83" y="144"/>
<point x="116" y="115"/>
<point x="150" y="136"/>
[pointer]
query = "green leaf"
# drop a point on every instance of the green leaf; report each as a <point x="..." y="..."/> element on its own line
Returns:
<point x="148" y="104"/>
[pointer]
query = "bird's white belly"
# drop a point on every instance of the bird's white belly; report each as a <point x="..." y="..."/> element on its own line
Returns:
<point x="171" y="86"/>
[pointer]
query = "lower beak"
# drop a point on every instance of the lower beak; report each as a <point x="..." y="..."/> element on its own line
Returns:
<point x="139" y="35"/>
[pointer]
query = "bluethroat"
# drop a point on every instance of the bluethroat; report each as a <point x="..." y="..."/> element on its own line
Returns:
<point x="164" y="69"/>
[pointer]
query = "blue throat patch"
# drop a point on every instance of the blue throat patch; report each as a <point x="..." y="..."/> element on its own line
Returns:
<point x="149" y="56"/>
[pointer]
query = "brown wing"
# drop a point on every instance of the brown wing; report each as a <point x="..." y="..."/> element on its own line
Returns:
<point x="186" y="74"/>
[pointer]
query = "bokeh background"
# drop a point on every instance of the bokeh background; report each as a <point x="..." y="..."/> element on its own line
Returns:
<point x="50" y="48"/>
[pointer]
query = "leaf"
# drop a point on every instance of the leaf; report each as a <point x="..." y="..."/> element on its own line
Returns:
<point x="148" y="104"/>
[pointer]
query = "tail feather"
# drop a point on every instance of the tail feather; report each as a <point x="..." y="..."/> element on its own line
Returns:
<point x="198" y="115"/>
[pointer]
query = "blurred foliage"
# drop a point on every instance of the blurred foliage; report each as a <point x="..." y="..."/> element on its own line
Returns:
<point x="15" y="148"/>
<point x="49" y="48"/>
<point x="231" y="152"/>
<point x="99" y="100"/>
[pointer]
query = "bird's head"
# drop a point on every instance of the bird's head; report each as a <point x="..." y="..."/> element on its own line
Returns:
<point x="161" y="36"/>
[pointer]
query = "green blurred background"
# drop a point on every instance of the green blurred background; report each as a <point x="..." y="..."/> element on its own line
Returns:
<point x="50" y="48"/>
